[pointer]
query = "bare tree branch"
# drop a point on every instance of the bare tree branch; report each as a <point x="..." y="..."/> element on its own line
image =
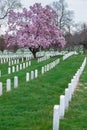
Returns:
<point x="6" y="6"/>
<point x="65" y="16"/>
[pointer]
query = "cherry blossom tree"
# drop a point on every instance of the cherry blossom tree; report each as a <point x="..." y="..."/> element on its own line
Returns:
<point x="34" y="28"/>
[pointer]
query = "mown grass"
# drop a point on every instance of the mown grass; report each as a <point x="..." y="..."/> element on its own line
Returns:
<point x="22" y="73"/>
<point x="30" y="106"/>
<point x="76" y="116"/>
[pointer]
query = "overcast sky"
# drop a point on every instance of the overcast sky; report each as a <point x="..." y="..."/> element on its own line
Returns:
<point x="78" y="6"/>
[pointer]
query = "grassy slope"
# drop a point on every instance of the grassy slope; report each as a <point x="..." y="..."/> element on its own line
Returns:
<point x="30" y="106"/>
<point x="76" y="116"/>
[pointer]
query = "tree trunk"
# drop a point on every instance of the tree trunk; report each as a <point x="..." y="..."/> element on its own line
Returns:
<point x="84" y="48"/>
<point x="34" y="54"/>
<point x="34" y="51"/>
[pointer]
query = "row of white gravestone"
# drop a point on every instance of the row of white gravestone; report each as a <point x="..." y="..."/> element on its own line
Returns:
<point x="16" y="61"/>
<point x="39" y="54"/>
<point x="13" y="59"/>
<point x="15" y="56"/>
<point x="18" y="67"/>
<point x="43" y="58"/>
<point x="59" y="110"/>
<point x="13" y="62"/>
<point x="48" y="55"/>
<point x="52" y="53"/>
<point x="8" y="85"/>
<point x="68" y="55"/>
<point x="49" y="66"/>
<point x="4" y="60"/>
<point x="32" y="75"/>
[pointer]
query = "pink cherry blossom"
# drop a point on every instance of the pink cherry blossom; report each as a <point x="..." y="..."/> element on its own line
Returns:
<point x="34" y="28"/>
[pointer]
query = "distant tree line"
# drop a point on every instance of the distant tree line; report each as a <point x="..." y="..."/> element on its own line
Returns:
<point x="78" y="38"/>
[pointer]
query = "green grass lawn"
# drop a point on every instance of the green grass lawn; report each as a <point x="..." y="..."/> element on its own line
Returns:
<point x="76" y="117"/>
<point x="22" y="74"/>
<point x="30" y="106"/>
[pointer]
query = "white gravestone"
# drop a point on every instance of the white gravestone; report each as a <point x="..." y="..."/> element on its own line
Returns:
<point x="66" y="98"/>
<point x="0" y="88"/>
<point x="27" y="77"/>
<point x="29" y="63"/>
<point x="17" y="68"/>
<point x="36" y="73"/>
<point x="23" y="65"/>
<point x="32" y="75"/>
<point x="42" y="71"/>
<point x="9" y="70"/>
<point x="0" y="73"/>
<point x="15" y="82"/>
<point x="56" y="117"/>
<point x="62" y="106"/>
<point x="13" y="69"/>
<point x="20" y="66"/>
<point x="8" y="85"/>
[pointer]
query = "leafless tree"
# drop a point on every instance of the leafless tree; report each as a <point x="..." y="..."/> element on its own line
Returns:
<point x="6" y="5"/>
<point x="83" y="37"/>
<point x="79" y="38"/>
<point x="64" y="16"/>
